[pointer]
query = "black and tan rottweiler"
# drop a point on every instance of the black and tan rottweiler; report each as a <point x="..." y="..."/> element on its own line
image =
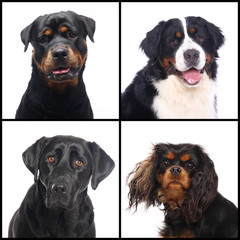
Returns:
<point x="57" y="204"/>
<point x="56" y="89"/>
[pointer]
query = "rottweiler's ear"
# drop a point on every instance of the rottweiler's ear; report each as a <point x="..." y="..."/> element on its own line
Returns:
<point x="102" y="165"/>
<point x="31" y="156"/>
<point x="25" y="36"/>
<point x="89" y="24"/>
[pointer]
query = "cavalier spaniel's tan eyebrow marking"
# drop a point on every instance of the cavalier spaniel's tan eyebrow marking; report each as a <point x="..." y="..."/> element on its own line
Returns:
<point x="185" y="157"/>
<point x="170" y="156"/>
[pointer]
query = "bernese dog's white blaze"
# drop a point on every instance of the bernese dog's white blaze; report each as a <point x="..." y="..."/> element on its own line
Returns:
<point x="188" y="44"/>
<point x="179" y="79"/>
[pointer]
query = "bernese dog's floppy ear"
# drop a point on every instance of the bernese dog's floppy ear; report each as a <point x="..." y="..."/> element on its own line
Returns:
<point x="203" y="188"/>
<point x="150" y="44"/>
<point x="215" y="34"/>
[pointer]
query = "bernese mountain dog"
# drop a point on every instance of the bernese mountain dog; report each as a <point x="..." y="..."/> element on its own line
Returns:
<point x="179" y="78"/>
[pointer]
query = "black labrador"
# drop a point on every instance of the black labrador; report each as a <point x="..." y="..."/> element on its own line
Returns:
<point x="58" y="205"/>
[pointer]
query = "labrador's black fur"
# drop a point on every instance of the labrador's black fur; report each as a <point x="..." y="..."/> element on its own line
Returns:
<point x="58" y="205"/>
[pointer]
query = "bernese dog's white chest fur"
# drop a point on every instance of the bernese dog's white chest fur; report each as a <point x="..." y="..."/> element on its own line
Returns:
<point x="175" y="100"/>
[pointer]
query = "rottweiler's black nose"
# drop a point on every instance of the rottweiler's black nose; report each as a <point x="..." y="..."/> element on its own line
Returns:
<point x="59" y="189"/>
<point x="59" y="54"/>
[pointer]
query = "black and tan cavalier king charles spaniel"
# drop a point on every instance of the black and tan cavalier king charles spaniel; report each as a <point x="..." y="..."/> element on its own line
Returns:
<point x="182" y="178"/>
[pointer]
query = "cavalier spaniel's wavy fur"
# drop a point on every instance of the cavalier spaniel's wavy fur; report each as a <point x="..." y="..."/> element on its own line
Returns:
<point x="182" y="178"/>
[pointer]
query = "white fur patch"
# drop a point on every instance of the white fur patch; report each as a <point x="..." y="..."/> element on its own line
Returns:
<point x="176" y="100"/>
<point x="187" y="44"/>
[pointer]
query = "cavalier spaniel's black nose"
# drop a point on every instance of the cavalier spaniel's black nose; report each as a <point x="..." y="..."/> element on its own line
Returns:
<point x="175" y="171"/>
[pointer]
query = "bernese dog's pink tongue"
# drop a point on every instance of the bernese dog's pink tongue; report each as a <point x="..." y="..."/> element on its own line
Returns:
<point x="61" y="71"/>
<point x="192" y="76"/>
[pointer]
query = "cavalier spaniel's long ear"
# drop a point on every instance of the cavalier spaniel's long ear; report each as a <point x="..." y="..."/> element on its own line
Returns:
<point x="203" y="188"/>
<point x="142" y="183"/>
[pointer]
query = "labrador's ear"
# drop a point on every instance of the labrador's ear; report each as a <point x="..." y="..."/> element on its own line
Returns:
<point x="102" y="165"/>
<point x="31" y="156"/>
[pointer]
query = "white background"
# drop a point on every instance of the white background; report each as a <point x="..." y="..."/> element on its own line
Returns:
<point x="219" y="139"/>
<point x="102" y="66"/>
<point x="17" y="179"/>
<point x="102" y="82"/>
<point x="140" y="18"/>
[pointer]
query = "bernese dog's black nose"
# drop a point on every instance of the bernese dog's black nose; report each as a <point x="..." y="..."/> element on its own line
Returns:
<point x="191" y="56"/>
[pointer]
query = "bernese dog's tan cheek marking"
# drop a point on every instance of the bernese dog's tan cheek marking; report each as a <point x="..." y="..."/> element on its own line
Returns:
<point x="167" y="61"/>
<point x="209" y="58"/>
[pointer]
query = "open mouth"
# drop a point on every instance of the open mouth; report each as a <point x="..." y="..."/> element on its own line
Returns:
<point x="191" y="77"/>
<point x="63" y="74"/>
<point x="61" y="70"/>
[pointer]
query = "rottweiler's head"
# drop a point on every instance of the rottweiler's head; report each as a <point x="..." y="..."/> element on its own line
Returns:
<point x="59" y="45"/>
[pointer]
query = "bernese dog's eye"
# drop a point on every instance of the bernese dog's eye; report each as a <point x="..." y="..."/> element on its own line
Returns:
<point x="199" y="39"/>
<point x="189" y="166"/>
<point x="174" y="42"/>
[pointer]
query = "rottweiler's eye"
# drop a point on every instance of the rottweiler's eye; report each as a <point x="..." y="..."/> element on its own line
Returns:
<point x="51" y="159"/>
<point x="43" y="40"/>
<point x="79" y="163"/>
<point x="71" y="34"/>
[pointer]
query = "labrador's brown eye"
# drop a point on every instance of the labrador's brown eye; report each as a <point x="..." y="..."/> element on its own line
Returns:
<point x="79" y="163"/>
<point x="51" y="159"/>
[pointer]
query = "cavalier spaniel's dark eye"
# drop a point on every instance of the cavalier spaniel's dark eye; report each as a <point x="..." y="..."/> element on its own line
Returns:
<point x="189" y="166"/>
<point x="165" y="163"/>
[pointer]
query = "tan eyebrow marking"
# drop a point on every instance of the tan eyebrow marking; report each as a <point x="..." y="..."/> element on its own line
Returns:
<point x="192" y="30"/>
<point x="178" y="34"/>
<point x="48" y="32"/>
<point x="63" y="28"/>
<point x="170" y="155"/>
<point x="185" y="157"/>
